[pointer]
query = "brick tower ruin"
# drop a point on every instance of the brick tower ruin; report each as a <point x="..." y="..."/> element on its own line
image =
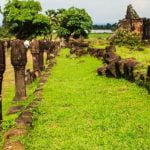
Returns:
<point x="133" y="23"/>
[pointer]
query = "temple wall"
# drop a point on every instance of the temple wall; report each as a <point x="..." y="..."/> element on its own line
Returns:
<point x="137" y="26"/>
<point x="134" y="25"/>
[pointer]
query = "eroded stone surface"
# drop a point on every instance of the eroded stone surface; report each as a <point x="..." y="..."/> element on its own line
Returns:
<point x="15" y="109"/>
<point x="25" y="119"/>
<point x="33" y="104"/>
<point x="14" y="132"/>
<point x="13" y="145"/>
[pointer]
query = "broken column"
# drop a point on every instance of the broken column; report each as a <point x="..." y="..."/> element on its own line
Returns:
<point x="148" y="72"/>
<point x="49" y="48"/>
<point x="35" y="55"/>
<point x="2" y="69"/>
<point x="19" y="61"/>
<point x="148" y="79"/>
<point x="42" y="46"/>
<point x="7" y="45"/>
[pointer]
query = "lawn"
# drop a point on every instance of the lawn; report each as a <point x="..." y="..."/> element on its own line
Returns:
<point x="99" y="40"/>
<point x="99" y="35"/>
<point x="84" y="111"/>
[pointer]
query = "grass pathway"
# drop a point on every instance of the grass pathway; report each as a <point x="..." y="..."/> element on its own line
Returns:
<point x="82" y="111"/>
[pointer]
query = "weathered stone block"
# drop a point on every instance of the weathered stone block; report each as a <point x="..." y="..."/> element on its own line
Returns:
<point x="18" y="54"/>
<point x="111" y="56"/>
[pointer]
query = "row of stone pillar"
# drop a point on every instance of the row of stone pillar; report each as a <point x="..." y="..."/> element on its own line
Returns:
<point x="19" y="61"/>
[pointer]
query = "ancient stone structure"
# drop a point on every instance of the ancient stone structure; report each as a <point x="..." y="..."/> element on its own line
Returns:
<point x="35" y="55"/>
<point x="148" y="73"/>
<point x="131" y="13"/>
<point x="42" y="47"/>
<point x="127" y="68"/>
<point x="2" y="69"/>
<point x="29" y="76"/>
<point x="96" y="52"/>
<point x="51" y="50"/>
<point x="48" y="51"/>
<point x="78" y="47"/>
<point x="115" y="66"/>
<point x="19" y="61"/>
<point x="146" y="29"/>
<point x="133" y="23"/>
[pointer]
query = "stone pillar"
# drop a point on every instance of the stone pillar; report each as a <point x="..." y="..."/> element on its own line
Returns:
<point x="51" y="51"/>
<point x="7" y="45"/>
<point x="35" y="55"/>
<point x="42" y="47"/>
<point x="48" y="50"/>
<point x="2" y="70"/>
<point x="148" y="73"/>
<point x="41" y="61"/>
<point x="19" y="61"/>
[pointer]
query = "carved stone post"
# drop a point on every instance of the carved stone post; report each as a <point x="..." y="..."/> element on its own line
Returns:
<point x="35" y="55"/>
<point x="2" y="69"/>
<point x="148" y="73"/>
<point x="19" y="61"/>
<point x="48" y="49"/>
<point x="7" y="45"/>
<point x="42" y="47"/>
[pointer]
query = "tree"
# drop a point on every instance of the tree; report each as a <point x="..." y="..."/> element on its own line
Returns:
<point x="54" y="15"/>
<point x="73" y="22"/>
<point x="23" y="19"/>
<point x="4" y="33"/>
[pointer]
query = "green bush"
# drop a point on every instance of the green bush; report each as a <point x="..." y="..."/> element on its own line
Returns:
<point x="126" y="38"/>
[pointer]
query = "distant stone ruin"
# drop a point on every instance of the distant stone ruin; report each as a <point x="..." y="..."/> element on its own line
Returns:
<point x="131" y="13"/>
<point x="133" y="23"/>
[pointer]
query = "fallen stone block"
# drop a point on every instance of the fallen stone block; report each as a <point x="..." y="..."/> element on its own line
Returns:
<point x="15" y="109"/>
<point x="24" y="119"/>
<point x="13" y="145"/>
<point x="129" y="66"/>
<point x="111" y="56"/>
<point x="102" y="70"/>
<point x="14" y="133"/>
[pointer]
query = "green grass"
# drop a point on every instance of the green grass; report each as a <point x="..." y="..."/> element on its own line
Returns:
<point x="98" y="40"/>
<point x="99" y="35"/>
<point x="143" y="57"/>
<point x="83" y="111"/>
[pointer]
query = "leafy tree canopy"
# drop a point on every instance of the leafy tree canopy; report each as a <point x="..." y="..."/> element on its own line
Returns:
<point x="54" y="17"/>
<point x="24" y="19"/>
<point x="73" y="22"/>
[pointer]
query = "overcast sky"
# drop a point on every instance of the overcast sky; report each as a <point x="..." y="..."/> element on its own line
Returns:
<point x="101" y="11"/>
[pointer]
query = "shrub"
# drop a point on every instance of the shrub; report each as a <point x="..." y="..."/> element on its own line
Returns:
<point x="126" y="38"/>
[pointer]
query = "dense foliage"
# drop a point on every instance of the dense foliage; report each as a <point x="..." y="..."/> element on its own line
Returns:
<point x="126" y="38"/>
<point x="54" y="16"/>
<point x="24" y="20"/>
<point x="107" y="26"/>
<point x="54" y="19"/>
<point x="73" y="22"/>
